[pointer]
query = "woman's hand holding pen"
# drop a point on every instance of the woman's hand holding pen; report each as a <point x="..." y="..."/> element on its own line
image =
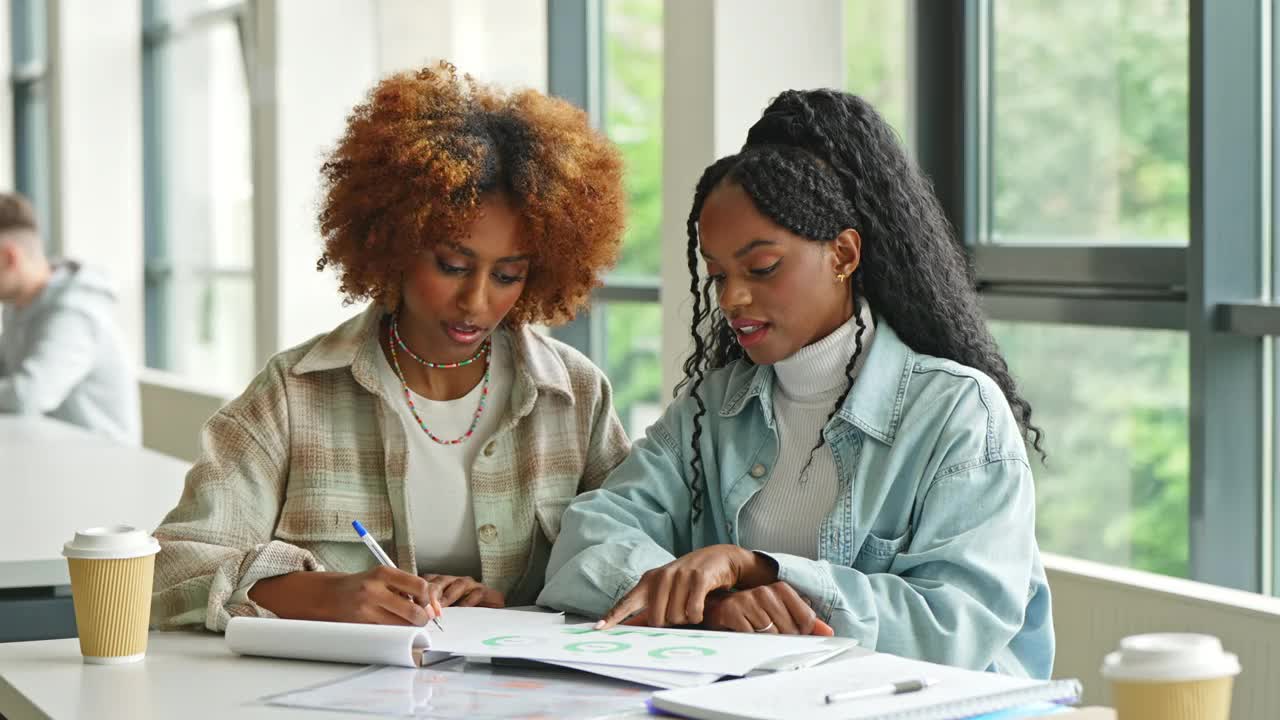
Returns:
<point x="676" y="593"/>
<point x="464" y="591"/>
<point x="382" y="596"/>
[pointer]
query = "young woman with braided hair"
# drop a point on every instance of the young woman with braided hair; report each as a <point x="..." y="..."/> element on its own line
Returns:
<point x="848" y="450"/>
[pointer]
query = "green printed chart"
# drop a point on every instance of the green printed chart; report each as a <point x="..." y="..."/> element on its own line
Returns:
<point x="651" y="648"/>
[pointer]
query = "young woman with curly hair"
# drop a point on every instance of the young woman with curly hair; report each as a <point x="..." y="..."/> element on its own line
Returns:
<point x="848" y="453"/>
<point x="437" y="418"/>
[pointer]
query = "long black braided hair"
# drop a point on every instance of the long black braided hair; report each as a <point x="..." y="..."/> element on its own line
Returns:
<point x="816" y="163"/>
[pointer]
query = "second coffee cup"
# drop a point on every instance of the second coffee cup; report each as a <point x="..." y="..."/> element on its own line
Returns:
<point x="1171" y="676"/>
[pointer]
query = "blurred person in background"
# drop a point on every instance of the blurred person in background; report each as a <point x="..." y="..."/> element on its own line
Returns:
<point x="61" y="353"/>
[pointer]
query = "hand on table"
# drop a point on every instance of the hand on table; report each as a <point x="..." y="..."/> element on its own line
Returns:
<point x="676" y="593"/>
<point x="773" y="608"/>
<point x="463" y="591"/>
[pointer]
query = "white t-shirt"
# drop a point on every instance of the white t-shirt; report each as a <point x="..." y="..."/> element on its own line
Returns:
<point x="438" y="477"/>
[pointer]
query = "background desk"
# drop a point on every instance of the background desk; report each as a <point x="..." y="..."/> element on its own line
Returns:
<point x="54" y="479"/>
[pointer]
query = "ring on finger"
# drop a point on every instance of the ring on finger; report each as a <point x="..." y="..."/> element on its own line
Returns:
<point x="766" y="628"/>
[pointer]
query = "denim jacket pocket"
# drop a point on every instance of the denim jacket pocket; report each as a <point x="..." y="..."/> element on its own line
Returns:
<point x="877" y="554"/>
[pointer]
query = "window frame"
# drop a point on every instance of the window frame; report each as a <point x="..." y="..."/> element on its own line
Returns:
<point x="158" y="271"/>
<point x="30" y="80"/>
<point x="575" y="72"/>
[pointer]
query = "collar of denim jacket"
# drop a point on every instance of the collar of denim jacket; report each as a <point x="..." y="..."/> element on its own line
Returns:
<point x="874" y="404"/>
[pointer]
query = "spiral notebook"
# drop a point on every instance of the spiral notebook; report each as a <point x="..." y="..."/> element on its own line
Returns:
<point x="801" y="694"/>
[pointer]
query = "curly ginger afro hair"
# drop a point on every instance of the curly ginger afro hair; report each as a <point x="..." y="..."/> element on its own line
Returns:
<point x="422" y="152"/>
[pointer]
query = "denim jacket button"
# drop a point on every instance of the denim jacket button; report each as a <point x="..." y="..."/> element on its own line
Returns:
<point x="758" y="471"/>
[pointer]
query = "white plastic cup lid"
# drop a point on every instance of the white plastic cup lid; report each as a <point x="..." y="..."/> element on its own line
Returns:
<point x="1170" y="657"/>
<point x="115" y="542"/>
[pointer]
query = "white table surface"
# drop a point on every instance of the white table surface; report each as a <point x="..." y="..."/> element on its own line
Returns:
<point x="185" y="674"/>
<point x="56" y="478"/>
<point x="190" y="675"/>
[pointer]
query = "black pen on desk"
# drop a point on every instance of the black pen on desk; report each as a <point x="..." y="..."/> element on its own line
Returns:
<point x="378" y="552"/>
<point x="896" y="688"/>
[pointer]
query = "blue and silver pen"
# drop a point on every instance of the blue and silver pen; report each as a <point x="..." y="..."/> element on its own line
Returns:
<point x="379" y="553"/>
<point x="893" y="688"/>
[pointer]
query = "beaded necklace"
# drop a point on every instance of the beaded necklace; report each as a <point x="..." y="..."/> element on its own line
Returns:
<point x="395" y="335"/>
<point x="392" y="339"/>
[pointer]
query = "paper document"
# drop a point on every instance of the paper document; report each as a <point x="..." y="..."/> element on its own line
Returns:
<point x="695" y="651"/>
<point x="456" y="690"/>
<point x="376" y="644"/>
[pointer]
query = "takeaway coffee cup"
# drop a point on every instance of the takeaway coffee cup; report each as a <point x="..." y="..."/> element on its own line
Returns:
<point x="111" y="572"/>
<point x="1171" y="676"/>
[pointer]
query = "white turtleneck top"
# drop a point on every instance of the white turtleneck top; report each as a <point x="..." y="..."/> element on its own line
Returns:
<point x="785" y="515"/>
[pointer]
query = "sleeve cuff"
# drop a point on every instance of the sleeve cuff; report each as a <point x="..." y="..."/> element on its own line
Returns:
<point x="592" y="585"/>
<point x="811" y="578"/>
<point x="264" y="561"/>
<point x="240" y="605"/>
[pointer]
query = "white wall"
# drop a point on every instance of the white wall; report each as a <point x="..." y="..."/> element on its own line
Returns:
<point x="724" y="60"/>
<point x="96" y="117"/>
<point x="502" y="42"/>
<point x="497" y="41"/>
<point x="174" y="409"/>
<point x="325" y="63"/>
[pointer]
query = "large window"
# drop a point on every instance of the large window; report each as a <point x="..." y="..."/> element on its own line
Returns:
<point x="623" y="330"/>
<point x="876" y="46"/>
<point x="1089" y="121"/>
<point x="1114" y="487"/>
<point x="633" y="120"/>
<point x="1086" y="205"/>
<point x="199" y="291"/>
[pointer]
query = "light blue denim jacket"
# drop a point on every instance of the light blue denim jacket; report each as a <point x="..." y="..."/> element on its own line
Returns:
<point x="929" y="552"/>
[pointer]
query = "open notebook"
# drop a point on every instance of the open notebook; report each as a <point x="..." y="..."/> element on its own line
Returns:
<point x="802" y="694"/>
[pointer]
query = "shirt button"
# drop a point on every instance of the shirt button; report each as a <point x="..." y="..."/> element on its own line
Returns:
<point x="728" y="527"/>
<point x="488" y="449"/>
<point x="758" y="471"/>
<point x="488" y="533"/>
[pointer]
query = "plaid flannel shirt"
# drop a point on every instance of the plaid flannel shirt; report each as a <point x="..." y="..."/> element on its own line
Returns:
<point x="313" y="443"/>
